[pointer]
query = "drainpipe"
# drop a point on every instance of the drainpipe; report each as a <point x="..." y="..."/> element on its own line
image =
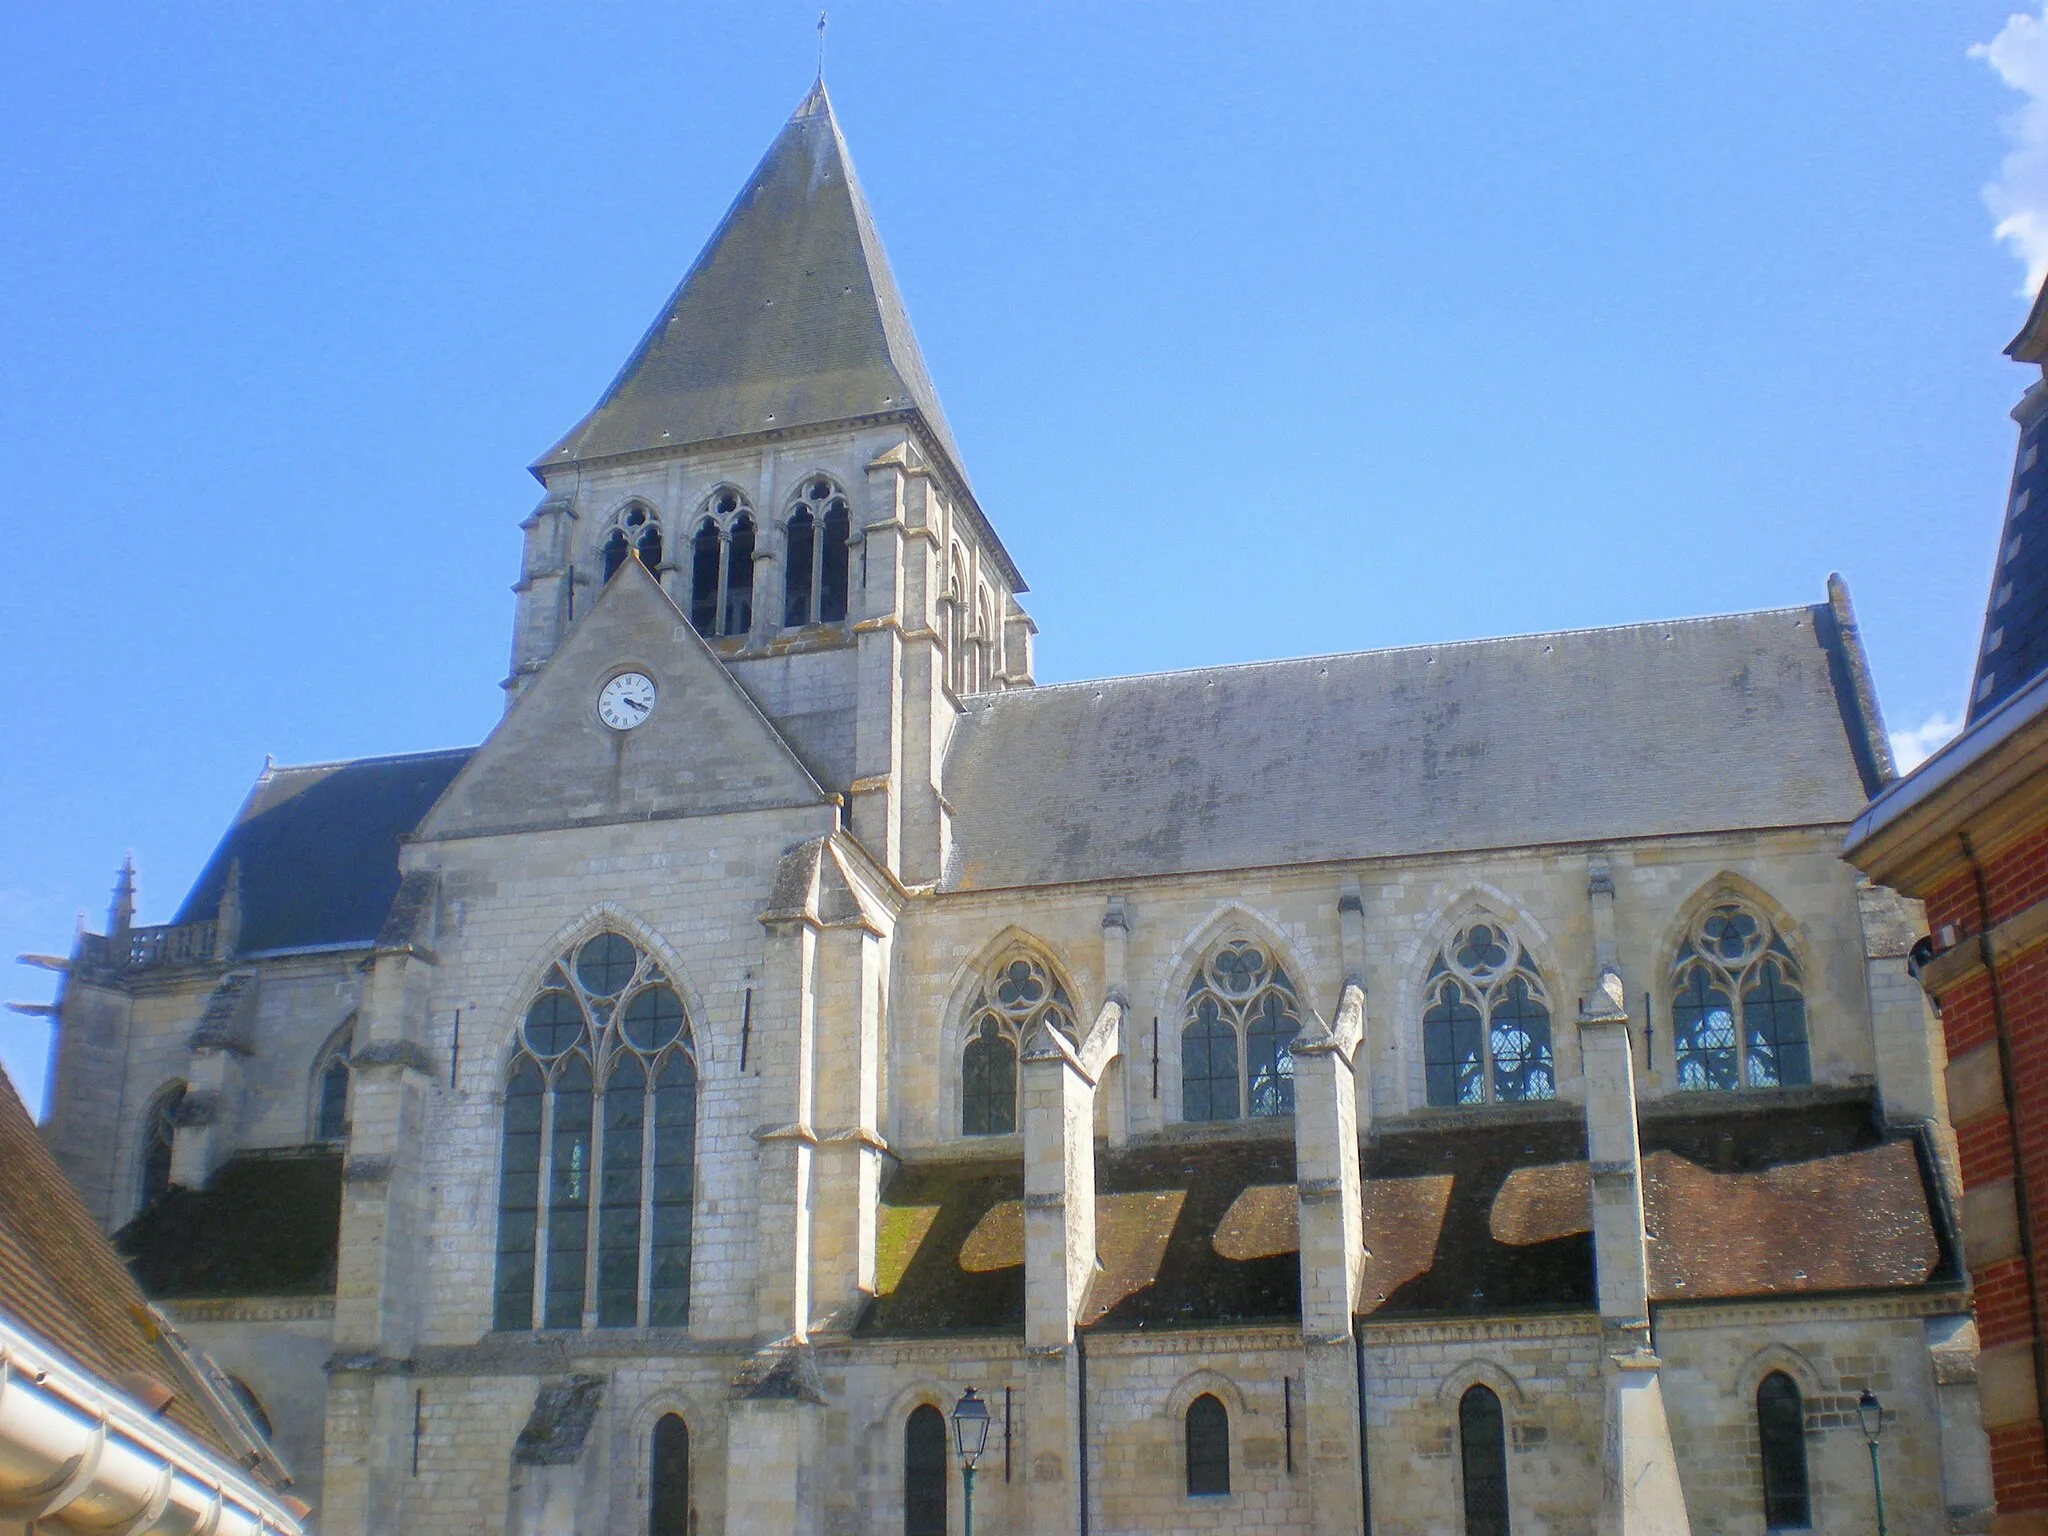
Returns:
<point x="1364" y="1466"/>
<point x="80" y="1457"/>
<point x="1081" y="1417"/>
<point x="1986" y="954"/>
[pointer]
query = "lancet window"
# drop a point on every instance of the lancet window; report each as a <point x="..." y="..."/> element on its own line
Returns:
<point x="634" y="532"/>
<point x="1017" y="996"/>
<point x="668" y="1478"/>
<point x="1208" y="1447"/>
<point x="927" y="1463"/>
<point x="722" y="566"/>
<point x="1483" y="1461"/>
<point x="1486" y="1021"/>
<point x="598" y="1177"/>
<point x="1237" y="1030"/>
<point x="1738" y="1009"/>
<point x="330" y="1091"/>
<point x="819" y="525"/>
<point x="159" y="1134"/>
<point x="1781" y="1437"/>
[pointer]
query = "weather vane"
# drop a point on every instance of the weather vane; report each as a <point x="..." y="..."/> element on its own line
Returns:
<point x="821" y="45"/>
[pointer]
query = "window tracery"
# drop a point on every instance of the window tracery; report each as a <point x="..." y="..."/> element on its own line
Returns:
<point x="331" y="1090"/>
<point x="1738" y="1008"/>
<point x="1486" y="1021"/>
<point x="633" y="532"/>
<point x="597" y="1182"/>
<point x="1238" y="1027"/>
<point x="160" y="1134"/>
<point x="815" y="579"/>
<point x="1017" y="996"/>
<point x="722" y="566"/>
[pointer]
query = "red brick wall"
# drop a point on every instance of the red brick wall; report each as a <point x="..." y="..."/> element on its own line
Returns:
<point x="2016" y="877"/>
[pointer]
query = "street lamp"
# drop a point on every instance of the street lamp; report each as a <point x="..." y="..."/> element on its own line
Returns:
<point x="1871" y="1413"/>
<point x="970" y="1438"/>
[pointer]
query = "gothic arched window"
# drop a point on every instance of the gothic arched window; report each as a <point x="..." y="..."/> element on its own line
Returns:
<point x="1738" y="1012"/>
<point x="1486" y="1021"/>
<point x="1781" y="1434"/>
<point x="815" y="580"/>
<point x="159" y="1134"/>
<point x="599" y="1148"/>
<point x="1015" y="998"/>
<point x="1236" y="1036"/>
<point x="634" y="532"/>
<point x="1483" y="1457"/>
<point x="722" y="566"/>
<point x="959" y="663"/>
<point x="925" y="1468"/>
<point x="1208" y="1447"/>
<point x="330" y="1094"/>
<point x="668" y="1480"/>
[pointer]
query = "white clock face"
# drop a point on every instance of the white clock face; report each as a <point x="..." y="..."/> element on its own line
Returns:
<point x="626" y="700"/>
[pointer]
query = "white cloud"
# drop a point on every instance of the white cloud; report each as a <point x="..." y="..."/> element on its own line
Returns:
<point x="2019" y="198"/>
<point x="1912" y="748"/>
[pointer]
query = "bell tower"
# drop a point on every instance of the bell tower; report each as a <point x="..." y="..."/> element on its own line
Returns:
<point x="774" y="451"/>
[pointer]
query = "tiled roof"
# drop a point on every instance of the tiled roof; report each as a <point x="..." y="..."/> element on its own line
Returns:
<point x="318" y="848"/>
<point x="61" y="1280"/>
<point x="1462" y="1217"/>
<point x="267" y="1225"/>
<point x="1700" y="725"/>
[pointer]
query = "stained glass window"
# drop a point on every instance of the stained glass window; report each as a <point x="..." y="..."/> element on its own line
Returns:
<point x="1486" y="1034"/>
<point x="1738" y="1014"/>
<point x="1015" y="997"/>
<point x="599" y="1148"/>
<point x="1237" y="1033"/>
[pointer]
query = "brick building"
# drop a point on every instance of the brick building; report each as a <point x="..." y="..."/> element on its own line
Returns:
<point x="1448" y="1089"/>
<point x="1967" y="833"/>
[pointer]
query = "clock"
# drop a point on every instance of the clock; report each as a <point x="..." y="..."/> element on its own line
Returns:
<point x="626" y="700"/>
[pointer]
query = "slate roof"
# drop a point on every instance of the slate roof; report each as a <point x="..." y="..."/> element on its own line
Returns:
<point x="318" y="848"/>
<point x="790" y="317"/>
<point x="1693" y="725"/>
<point x="268" y="1224"/>
<point x="2012" y="648"/>
<point x="62" y="1281"/>
<point x="1462" y="1217"/>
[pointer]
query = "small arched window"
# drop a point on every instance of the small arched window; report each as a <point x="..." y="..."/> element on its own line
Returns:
<point x="924" y="1472"/>
<point x="668" y="1480"/>
<point x="722" y="566"/>
<point x="815" y="579"/>
<point x="330" y="1122"/>
<point x="1208" y="1443"/>
<point x="958" y="661"/>
<point x="1483" y="1458"/>
<point x="1014" y="999"/>
<point x="1236" y="1038"/>
<point x="1781" y="1434"/>
<point x="246" y="1399"/>
<point x="1738" y="1010"/>
<point x="159" y="1135"/>
<point x="604" y="1082"/>
<point x="633" y="532"/>
<point x="1486" y="1021"/>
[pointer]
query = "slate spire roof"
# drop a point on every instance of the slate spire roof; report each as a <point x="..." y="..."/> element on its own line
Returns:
<point x="789" y="318"/>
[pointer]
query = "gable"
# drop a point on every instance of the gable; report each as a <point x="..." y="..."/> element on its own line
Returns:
<point x="551" y="762"/>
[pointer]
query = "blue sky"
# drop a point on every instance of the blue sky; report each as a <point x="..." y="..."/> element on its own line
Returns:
<point x="1265" y="331"/>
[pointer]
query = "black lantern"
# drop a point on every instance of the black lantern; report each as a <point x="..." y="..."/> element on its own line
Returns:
<point x="970" y="1427"/>
<point x="1871" y="1413"/>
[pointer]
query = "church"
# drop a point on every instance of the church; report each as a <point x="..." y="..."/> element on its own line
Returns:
<point x="1445" y="1091"/>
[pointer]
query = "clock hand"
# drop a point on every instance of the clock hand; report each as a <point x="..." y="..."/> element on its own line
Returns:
<point x="636" y="704"/>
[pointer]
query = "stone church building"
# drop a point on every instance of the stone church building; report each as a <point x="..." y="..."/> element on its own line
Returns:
<point x="1457" y="1089"/>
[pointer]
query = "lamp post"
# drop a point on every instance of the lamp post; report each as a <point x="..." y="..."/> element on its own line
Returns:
<point x="970" y="1439"/>
<point x="1871" y="1413"/>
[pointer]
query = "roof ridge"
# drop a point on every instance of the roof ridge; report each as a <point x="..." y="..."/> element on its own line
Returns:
<point x="1396" y="650"/>
<point x="382" y="757"/>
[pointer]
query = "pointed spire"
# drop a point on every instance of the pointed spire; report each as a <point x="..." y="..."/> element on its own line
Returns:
<point x="121" y="915"/>
<point x="789" y="318"/>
